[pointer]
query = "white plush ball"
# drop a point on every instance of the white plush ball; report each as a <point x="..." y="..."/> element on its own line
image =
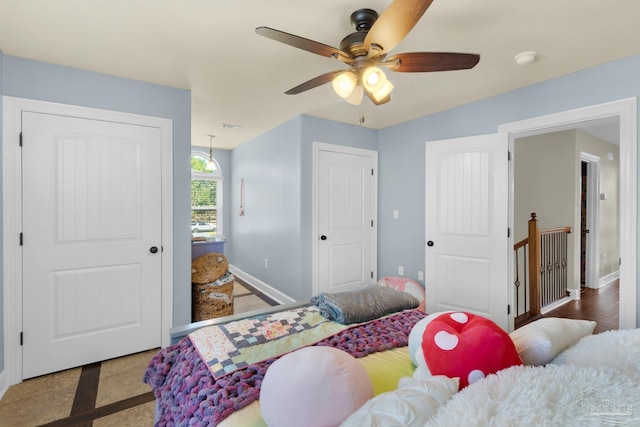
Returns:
<point x="313" y="387"/>
<point x="415" y="336"/>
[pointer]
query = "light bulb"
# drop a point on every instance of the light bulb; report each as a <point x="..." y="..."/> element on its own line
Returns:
<point x="344" y="83"/>
<point x="382" y="93"/>
<point x="356" y="96"/>
<point x="373" y="79"/>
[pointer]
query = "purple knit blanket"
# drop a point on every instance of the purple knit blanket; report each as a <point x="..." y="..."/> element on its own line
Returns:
<point x="188" y="395"/>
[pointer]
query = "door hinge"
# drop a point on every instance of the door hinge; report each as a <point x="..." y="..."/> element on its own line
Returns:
<point x="508" y="309"/>
<point x="371" y="171"/>
<point x="372" y="274"/>
<point x="508" y="155"/>
<point x="20" y="142"/>
<point x="21" y="239"/>
<point x="508" y="232"/>
<point x="21" y="338"/>
<point x="372" y="223"/>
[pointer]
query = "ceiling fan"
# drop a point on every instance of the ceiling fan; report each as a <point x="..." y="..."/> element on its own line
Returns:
<point x="365" y="52"/>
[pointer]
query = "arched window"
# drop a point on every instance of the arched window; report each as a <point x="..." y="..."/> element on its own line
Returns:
<point x="206" y="195"/>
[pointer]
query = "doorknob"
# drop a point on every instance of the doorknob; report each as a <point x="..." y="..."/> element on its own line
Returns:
<point x="323" y="237"/>
<point x="153" y="249"/>
<point x="430" y="243"/>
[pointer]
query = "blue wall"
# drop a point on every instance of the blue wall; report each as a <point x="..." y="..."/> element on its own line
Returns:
<point x="402" y="147"/>
<point x="277" y="171"/>
<point x="36" y="80"/>
<point x="401" y="172"/>
<point x="277" y="166"/>
<point x="269" y="166"/>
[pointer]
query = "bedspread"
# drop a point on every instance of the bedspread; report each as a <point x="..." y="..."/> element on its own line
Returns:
<point x="236" y="345"/>
<point x="188" y="395"/>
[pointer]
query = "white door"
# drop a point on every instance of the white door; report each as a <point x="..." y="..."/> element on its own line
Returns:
<point x="346" y="203"/>
<point x="92" y="241"/>
<point x="466" y="226"/>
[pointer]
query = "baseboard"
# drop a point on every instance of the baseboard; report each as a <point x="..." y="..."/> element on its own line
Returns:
<point x="271" y="292"/>
<point x="574" y="293"/>
<point x="4" y="383"/>
<point x="609" y="278"/>
<point x="547" y="308"/>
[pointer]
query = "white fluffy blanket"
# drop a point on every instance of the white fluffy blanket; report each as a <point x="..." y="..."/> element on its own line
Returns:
<point x="619" y="349"/>
<point x="554" y="395"/>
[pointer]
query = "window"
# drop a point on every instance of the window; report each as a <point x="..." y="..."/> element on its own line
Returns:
<point x="206" y="195"/>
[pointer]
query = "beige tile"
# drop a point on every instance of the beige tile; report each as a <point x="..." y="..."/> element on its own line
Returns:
<point x="248" y="303"/>
<point x="121" y="378"/>
<point x="238" y="289"/>
<point x="39" y="400"/>
<point x="138" y="416"/>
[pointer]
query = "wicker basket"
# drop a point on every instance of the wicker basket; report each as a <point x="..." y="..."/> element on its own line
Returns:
<point x="213" y="299"/>
<point x="208" y="268"/>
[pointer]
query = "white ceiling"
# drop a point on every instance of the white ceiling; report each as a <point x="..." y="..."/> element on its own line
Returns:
<point x="237" y="77"/>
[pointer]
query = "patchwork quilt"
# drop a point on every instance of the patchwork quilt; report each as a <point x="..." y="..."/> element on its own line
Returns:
<point x="188" y="395"/>
<point x="236" y="345"/>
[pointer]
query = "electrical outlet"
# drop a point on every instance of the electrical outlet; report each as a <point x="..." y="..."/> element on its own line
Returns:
<point x="400" y="270"/>
<point x="266" y="263"/>
<point x="420" y="275"/>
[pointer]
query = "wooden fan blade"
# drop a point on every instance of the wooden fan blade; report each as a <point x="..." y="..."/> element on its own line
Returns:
<point x="304" y="44"/>
<point x="415" y="62"/>
<point x="393" y="25"/>
<point x="314" y="82"/>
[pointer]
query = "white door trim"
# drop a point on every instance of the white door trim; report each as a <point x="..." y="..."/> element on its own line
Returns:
<point x="315" y="235"/>
<point x="592" y="269"/>
<point x="626" y="111"/>
<point x="12" y="215"/>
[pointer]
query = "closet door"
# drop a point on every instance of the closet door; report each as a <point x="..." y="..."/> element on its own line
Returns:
<point x="92" y="240"/>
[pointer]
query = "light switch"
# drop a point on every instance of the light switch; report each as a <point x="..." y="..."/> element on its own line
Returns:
<point x="395" y="214"/>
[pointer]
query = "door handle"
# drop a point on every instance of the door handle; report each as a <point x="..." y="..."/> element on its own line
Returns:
<point x="323" y="237"/>
<point x="430" y="243"/>
<point x="153" y="249"/>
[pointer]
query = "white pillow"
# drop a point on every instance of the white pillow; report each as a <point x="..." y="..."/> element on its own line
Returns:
<point x="540" y="341"/>
<point x="412" y="404"/>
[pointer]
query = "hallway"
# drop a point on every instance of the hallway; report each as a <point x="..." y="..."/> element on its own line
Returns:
<point x="601" y="305"/>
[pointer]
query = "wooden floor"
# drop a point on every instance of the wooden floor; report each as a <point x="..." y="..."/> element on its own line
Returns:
<point x="601" y="305"/>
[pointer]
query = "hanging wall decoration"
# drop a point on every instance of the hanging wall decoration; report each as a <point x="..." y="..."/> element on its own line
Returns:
<point x="241" y="196"/>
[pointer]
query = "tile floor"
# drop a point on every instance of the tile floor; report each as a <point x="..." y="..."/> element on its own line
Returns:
<point x="104" y="394"/>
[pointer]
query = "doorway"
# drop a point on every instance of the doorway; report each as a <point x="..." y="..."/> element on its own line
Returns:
<point x="590" y="206"/>
<point x="344" y="202"/>
<point x="624" y="114"/>
<point x="14" y="256"/>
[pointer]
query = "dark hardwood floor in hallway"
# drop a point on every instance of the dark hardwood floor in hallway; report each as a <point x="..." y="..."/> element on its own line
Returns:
<point x="601" y="305"/>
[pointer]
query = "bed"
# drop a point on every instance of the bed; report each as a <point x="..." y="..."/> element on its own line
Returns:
<point x="569" y="376"/>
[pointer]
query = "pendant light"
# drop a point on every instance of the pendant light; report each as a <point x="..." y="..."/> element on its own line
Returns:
<point x="211" y="164"/>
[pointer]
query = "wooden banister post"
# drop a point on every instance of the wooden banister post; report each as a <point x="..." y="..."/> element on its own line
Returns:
<point x="534" y="265"/>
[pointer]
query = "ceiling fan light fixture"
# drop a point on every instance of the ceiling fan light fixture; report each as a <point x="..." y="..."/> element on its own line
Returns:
<point x="373" y="79"/>
<point x="383" y="92"/>
<point x="355" y="98"/>
<point x="344" y="83"/>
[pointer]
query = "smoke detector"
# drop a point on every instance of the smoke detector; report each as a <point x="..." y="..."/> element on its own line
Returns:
<point x="525" y="58"/>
